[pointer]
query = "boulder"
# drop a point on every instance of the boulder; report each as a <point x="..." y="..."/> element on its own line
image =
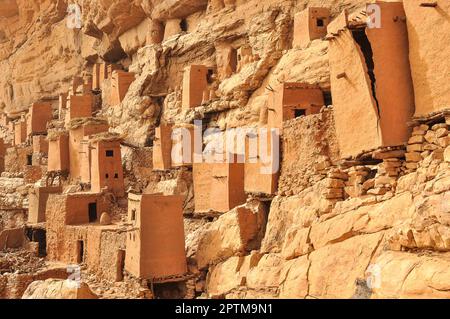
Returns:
<point x="58" y="289"/>
<point x="447" y="154"/>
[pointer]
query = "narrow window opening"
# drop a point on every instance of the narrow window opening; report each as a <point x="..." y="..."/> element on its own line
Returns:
<point x="133" y="214"/>
<point x="39" y="236"/>
<point x="233" y="60"/>
<point x="327" y="98"/>
<point x="116" y="175"/>
<point x="106" y="175"/>
<point x="29" y="159"/>
<point x="109" y="153"/>
<point x="299" y="112"/>
<point x="80" y="248"/>
<point x="120" y="264"/>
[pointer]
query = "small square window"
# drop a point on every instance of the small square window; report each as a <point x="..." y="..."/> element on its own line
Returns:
<point x="320" y="22"/>
<point x="116" y="175"/>
<point x="109" y="153"/>
<point x="299" y="112"/>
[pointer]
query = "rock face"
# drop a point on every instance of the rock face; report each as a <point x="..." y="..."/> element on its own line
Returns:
<point x="38" y="53"/>
<point x="58" y="289"/>
<point x="360" y="203"/>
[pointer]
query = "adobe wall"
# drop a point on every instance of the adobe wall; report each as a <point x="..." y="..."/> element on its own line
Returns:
<point x="194" y="83"/>
<point x="79" y="106"/>
<point x="68" y="252"/>
<point x="218" y="187"/>
<point x="261" y="173"/>
<point x="101" y="244"/>
<point x="305" y="25"/>
<point x="37" y="202"/>
<point x="76" y="136"/>
<point x="96" y="76"/>
<point x="12" y="238"/>
<point x="62" y="106"/>
<point x="77" y="207"/>
<point x="91" y="245"/>
<point x="428" y="30"/>
<point x="352" y="99"/>
<point x="162" y="147"/>
<point x="38" y="116"/>
<point x="120" y="82"/>
<point x="102" y="74"/>
<point x="85" y="160"/>
<point x="20" y="132"/>
<point x="63" y="215"/>
<point x="107" y="171"/>
<point x="58" y="154"/>
<point x="162" y="236"/>
<point x="227" y="187"/>
<point x="290" y="96"/>
<point x="394" y="89"/>
<point x="55" y="216"/>
<point x="202" y="186"/>
<point x="133" y="242"/>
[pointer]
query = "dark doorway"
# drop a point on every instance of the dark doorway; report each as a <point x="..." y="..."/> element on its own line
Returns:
<point x="39" y="236"/>
<point x="233" y="60"/>
<point x="327" y="98"/>
<point x="29" y="159"/>
<point x="80" y="251"/>
<point x="209" y="76"/>
<point x="92" y="212"/>
<point x="120" y="264"/>
<point x="299" y="112"/>
<point x="183" y="25"/>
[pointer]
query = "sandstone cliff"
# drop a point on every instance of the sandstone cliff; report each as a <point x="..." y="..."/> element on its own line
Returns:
<point x="374" y="225"/>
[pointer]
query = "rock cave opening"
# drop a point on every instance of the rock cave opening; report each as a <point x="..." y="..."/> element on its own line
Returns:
<point x="184" y="25"/>
<point x="92" y="209"/>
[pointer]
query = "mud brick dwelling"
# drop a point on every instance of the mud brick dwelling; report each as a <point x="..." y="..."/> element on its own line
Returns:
<point x="225" y="149"/>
